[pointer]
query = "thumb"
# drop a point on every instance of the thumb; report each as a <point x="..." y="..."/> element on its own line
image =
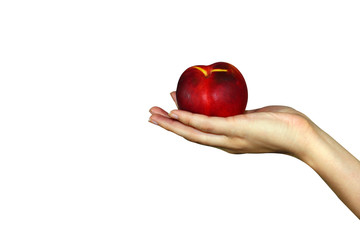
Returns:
<point x="173" y="95"/>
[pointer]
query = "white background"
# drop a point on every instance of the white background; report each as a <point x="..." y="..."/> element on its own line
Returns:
<point x="78" y="159"/>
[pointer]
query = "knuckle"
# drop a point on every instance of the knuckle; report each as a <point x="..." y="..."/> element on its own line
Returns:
<point x="206" y="127"/>
<point x="237" y="143"/>
<point x="190" y="121"/>
<point x="200" y="123"/>
<point x="232" y="126"/>
<point x="203" y="139"/>
<point x="196" y="139"/>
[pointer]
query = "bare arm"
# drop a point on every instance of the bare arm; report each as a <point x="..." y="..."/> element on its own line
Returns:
<point x="337" y="167"/>
<point x="272" y="129"/>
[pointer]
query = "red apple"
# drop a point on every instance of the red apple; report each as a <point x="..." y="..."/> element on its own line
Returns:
<point x="215" y="90"/>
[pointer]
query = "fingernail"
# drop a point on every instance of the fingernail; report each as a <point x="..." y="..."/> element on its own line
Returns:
<point x="153" y="122"/>
<point x="173" y="115"/>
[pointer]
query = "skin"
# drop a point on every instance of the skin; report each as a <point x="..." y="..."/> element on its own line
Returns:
<point x="272" y="129"/>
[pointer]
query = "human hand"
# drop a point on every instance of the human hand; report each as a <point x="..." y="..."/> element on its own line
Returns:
<point x="277" y="129"/>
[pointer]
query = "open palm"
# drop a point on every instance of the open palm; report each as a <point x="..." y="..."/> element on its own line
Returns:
<point x="269" y="129"/>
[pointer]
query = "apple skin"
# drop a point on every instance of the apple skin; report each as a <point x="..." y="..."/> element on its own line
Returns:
<point x="218" y="90"/>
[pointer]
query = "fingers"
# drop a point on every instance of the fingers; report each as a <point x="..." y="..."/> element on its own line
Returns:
<point x="188" y="132"/>
<point x="213" y="125"/>
<point x="211" y="131"/>
<point x="160" y="111"/>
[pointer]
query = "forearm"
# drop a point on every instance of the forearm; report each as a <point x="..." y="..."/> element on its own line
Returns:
<point x="337" y="167"/>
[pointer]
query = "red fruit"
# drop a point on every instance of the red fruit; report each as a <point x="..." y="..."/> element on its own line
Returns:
<point x="215" y="90"/>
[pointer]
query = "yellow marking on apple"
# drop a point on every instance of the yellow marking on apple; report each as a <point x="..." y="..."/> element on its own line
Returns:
<point x="202" y="70"/>
<point x="219" y="70"/>
<point x="213" y="70"/>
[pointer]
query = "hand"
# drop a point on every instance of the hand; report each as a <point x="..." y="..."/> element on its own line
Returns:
<point x="276" y="129"/>
<point x="272" y="129"/>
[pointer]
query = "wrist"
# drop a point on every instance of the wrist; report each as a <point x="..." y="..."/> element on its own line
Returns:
<point x="315" y="143"/>
<point x="321" y="149"/>
<point x="307" y="137"/>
